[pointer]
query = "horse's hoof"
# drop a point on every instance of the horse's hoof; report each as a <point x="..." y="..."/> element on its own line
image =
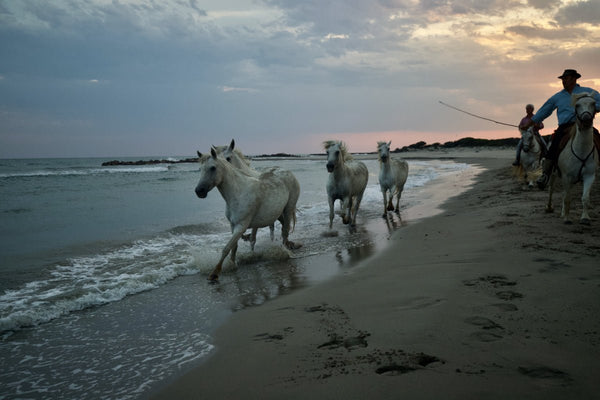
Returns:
<point x="213" y="278"/>
<point x="568" y="222"/>
<point x="292" y="246"/>
<point x="585" y="221"/>
<point x="397" y="211"/>
<point x="384" y="215"/>
<point x="549" y="210"/>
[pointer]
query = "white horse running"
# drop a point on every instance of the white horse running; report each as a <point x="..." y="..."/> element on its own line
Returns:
<point x="392" y="177"/>
<point x="252" y="202"/>
<point x="347" y="181"/>
<point x="531" y="154"/>
<point x="578" y="160"/>
<point x="237" y="159"/>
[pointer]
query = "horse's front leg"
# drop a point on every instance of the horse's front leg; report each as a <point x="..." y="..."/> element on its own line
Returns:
<point x="390" y="206"/>
<point x="231" y="246"/>
<point x="331" y="205"/>
<point x="355" y="207"/>
<point x="398" y="194"/>
<point x="549" y="206"/>
<point x="347" y="210"/>
<point x="385" y="202"/>
<point x="253" y="238"/>
<point x="585" y="199"/>
<point x="566" y="202"/>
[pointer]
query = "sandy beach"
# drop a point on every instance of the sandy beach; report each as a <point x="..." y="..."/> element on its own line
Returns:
<point x="492" y="298"/>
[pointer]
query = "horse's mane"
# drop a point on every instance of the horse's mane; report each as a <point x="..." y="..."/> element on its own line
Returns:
<point x="328" y="143"/>
<point x="241" y="156"/>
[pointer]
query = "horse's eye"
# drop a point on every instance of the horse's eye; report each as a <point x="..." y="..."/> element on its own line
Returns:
<point x="228" y="159"/>
<point x="337" y="152"/>
<point x="213" y="168"/>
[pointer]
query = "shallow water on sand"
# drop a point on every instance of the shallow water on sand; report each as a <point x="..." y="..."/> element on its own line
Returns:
<point x="104" y="293"/>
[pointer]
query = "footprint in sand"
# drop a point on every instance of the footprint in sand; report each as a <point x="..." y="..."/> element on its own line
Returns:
<point x="505" y="306"/>
<point x="488" y="325"/>
<point x="486" y="336"/>
<point x="508" y="295"/>
<point x="349" y="343"/>
<point x="482" y="322"/>
<point x="546" y="373"/>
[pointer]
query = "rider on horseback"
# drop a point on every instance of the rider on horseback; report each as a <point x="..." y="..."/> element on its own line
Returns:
<point x="536" y="132"/>
<point x="561" y="102"/>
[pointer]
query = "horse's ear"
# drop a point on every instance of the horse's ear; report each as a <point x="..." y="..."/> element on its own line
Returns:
<point x="389" y="143"/>
<point x="213" y="152"/>
<point x="199" y="154"/>
<point x="232" y="144"/>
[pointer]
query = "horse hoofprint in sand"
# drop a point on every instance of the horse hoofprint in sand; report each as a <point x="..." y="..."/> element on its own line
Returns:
<point x="392" y="177"/>
<point x="579" y="159"/>
<point x="347" y="181"/>
<point x="252" y="201"/>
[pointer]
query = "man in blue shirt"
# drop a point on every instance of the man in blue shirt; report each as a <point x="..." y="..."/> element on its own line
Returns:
<point x="565" y="112"/>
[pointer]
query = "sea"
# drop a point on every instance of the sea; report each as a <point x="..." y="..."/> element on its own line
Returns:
<point x="103" y="289"/>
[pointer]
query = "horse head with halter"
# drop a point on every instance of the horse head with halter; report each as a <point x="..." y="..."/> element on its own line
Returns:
<point x="585" y="108"/>
<point x="528" y="138"/>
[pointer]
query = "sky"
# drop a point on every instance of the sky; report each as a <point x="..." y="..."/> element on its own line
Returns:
<point x="102" y="78"/>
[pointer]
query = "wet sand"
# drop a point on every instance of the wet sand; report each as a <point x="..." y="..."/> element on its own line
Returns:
<point x="491" y="298"/>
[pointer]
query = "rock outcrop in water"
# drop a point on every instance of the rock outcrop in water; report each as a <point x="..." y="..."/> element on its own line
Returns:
<point x="149" y="162"/>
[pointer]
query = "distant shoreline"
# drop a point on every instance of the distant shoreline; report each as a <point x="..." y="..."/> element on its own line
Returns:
<point x="467" y="142"/>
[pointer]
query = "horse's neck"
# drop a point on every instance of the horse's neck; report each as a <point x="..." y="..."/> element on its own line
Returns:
<point x="386" y="166"/>
<point x="583" y="139"/>
<point x="233" y="183"/>
<point x="341" y="169"/>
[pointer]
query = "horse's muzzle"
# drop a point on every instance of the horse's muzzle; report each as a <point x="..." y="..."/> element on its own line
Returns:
<point x="586" y="119"/>
<point x="330" y="167"/>
<point x="201" y="192"/>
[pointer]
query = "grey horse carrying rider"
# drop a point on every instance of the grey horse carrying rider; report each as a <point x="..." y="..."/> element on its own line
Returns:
<point x="561" y="102"/>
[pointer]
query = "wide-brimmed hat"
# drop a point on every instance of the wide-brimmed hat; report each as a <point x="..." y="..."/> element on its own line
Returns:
<point x="570" y="72"/>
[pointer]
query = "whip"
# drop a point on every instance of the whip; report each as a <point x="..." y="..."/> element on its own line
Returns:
<point x="477" y="116"/>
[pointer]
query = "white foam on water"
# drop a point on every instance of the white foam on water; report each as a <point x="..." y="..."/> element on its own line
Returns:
<point x="86" y="171"/>
<point x="105" y="277"/>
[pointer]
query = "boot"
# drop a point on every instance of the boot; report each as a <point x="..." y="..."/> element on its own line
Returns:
<point x="547" y="166"/>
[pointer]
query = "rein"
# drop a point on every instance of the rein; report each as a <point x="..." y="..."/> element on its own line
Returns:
<point x="582" y="160"/>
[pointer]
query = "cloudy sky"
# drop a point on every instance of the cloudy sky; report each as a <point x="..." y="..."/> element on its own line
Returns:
<point x="167" y="77"/>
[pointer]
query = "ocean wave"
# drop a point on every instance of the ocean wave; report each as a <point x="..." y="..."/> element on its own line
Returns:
<point x="99" y="279"/>
<point x="84" y="171"/>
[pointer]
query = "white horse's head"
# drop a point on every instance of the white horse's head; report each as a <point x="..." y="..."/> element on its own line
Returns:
<point x="383" y="149"/>
<point x="585" y="108"/>
<point x="211" y="172"/>
<point x="527" y="138"/>
<point x="336" y="153"/>
<point x="233" y="155"/>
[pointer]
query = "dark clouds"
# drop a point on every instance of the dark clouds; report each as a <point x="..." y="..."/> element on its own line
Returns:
<point x="163" y="76"/>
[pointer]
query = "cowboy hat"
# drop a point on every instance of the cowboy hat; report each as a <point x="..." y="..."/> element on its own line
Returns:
<point x="570" y="72"/>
